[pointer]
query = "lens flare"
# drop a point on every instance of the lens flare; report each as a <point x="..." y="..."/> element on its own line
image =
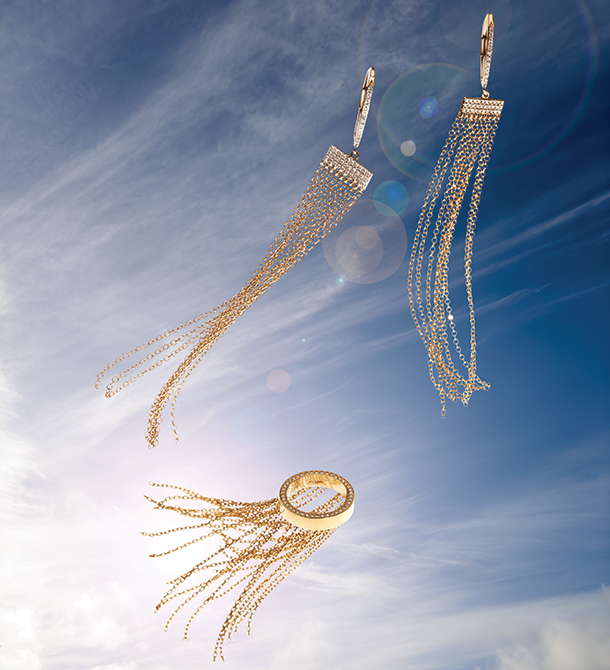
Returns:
<point x="391" y="198"/>
<point x="367" y="237"/>
<point x="408" y="148"/>
<point x="417" y="109"/>
<point x="366" y="246"/>
<point x="352" y="257"/>
<point x="428" y="107"/>
<point x="278" y="380"/>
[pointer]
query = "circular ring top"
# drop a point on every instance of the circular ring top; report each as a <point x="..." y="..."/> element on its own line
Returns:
<point x="316" y="520"/>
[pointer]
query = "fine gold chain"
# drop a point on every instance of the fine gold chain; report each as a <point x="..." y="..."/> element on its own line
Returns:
<point x="469" y="142"/>
<point x="258" y="549"/>
<point x="335" y="187"/>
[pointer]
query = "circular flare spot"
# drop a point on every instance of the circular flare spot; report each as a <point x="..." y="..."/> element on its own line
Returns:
<point x="391" y="198"/>
<point x="278" y="380"/>
<point x="367" y="237"/>
<point x="428" y="107"/>
<point x="352" y="257"/>
<point x="366" y="246"/>
<point x="408" y="148"/>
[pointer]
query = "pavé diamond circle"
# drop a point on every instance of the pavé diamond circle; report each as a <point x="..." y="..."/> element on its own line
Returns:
<point x="322" y="520"/>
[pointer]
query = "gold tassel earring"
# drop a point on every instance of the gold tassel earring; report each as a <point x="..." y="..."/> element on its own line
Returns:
<point x="261" y="543"/>
<point x="335" y="187"/>
<point x="469" y="142"/>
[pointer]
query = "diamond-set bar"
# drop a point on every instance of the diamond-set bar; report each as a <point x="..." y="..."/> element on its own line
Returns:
<point x="345" y="167"/>
<point x="481" y="107"/>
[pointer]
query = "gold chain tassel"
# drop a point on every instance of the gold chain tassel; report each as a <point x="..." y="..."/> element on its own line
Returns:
<point x="261" y="544"/>
<point x="468" y="144"/>
<point x="335" y="187"/>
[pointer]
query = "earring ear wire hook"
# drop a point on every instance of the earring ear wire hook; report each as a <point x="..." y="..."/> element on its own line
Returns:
<point x="487" y="45"/>
<point x="363" y="108"/>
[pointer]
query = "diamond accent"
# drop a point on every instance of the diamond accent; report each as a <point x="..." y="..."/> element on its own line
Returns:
<point x="486" y="60"/>
<point x="312" y="478"/>
<point x="481" y="107"/>
<point x="347" y="168"/>
<point x="361" y="120"/>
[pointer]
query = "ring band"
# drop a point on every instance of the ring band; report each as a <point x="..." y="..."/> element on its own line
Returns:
<point x="316" y="520"/>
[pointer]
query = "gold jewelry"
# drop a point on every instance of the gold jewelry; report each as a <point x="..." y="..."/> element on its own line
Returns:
<point x="470" y="141"/>
<point x="261" y="543"/>
<point x="335" y="187"/>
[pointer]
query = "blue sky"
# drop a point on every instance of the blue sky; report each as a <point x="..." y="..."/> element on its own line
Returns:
<point x="151" y="153"/>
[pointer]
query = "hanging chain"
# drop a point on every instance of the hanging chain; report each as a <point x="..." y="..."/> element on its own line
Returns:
<point x="334" y="188"/>
<point x="468" y="144"/>
<point x="259" y="549"/>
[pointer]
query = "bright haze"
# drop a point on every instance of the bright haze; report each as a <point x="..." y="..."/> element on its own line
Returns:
<point x="152" y="151"/>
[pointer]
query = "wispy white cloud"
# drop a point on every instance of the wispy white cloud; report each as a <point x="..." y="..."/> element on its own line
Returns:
<point x="529" y="230"/>
<point x="578" y="644"/>
<point x="308" y="648"/>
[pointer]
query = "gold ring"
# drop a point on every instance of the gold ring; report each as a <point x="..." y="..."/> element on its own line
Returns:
<point x="316" y="520"/>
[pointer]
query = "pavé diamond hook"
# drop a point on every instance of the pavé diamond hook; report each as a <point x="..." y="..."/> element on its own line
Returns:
<point x="487" y="45"/>
<point x="363" y="108"/>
